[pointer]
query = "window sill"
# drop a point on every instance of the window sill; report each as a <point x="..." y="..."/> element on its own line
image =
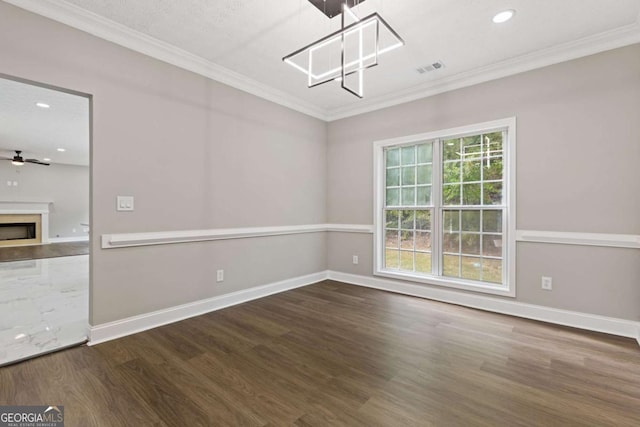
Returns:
<point x="506" y="291"/>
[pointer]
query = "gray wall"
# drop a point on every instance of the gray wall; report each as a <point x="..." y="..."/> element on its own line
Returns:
<point x="66" y="186"/>
<point x="578" y="148"/>
<point x="243" y="161"/>
<point x="196" y="154"/>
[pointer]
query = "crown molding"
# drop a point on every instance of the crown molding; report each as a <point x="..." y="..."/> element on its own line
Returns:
<point x="81" y="19"/>
<point x="619" y="37"/>
<point x="94" y="24"/>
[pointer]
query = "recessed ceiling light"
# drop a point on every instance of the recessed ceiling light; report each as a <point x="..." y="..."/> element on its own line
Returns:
<point x="504" y="16"/>
<point x="46" y="159"/>
<point x="62" y="150"/>
<point x="42" y="105"/>
<point x="20" y="336"/>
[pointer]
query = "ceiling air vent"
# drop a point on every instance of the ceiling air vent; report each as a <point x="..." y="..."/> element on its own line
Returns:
<point x="431" y="67"/>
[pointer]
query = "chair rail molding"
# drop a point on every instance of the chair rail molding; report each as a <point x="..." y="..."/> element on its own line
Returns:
<point x="122" y="240"/>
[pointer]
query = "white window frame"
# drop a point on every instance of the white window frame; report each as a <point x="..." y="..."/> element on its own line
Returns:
<point x="509" y="218"/>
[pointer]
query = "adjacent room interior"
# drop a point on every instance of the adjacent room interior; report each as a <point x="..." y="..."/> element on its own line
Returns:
<point x="389" y="213"/>
<point x="44" y="220"/>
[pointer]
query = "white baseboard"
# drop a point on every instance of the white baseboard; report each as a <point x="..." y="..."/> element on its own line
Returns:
<point x="591" y="322"/>
<point x="68" y="239"/>
<point x="132" y="325"/>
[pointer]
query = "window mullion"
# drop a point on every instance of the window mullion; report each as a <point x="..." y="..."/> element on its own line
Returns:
<point x="436" y="213"/>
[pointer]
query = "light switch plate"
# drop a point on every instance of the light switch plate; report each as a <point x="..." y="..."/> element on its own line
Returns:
<point x="124" y="203"/>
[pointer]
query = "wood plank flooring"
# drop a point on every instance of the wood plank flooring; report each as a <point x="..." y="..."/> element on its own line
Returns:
<point x="332" y="354"/>
<point x="50" y="250"/>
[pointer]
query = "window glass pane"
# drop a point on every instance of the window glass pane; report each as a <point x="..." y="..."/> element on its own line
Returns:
<point x="451" y="195"/>
<point x="423" y="241"/>
<point x="424" y="195"/>
<point x="470" y="244"/>
<point x="423" y="263"/>
<point x="471" y="194"/>
<point x="451" y="265"/>
<point x="425" y="153"/>
<point x="451" y="221"/>
<point x="492" y="221"/>
<point x="407" y="220"/>
<point x="451" y="242"/>
<point x="471" y="220"/>
<point x="492" y="270"/>
<point x="424" y="174"/>
<point x="406" y="239"/>
<point x="492" y="245"/>
<point x="423" y="220"/>
<point x="451" y="172"/>
<point x="492" y="169"/>
<point x="471" y="147"/>
<point x="408" y="156"/>
<point x="391" y="258"/>
<point x="408" y="196"/>
<point x="493" y="193"/>
<point x="391" y="239"/>
<point x="451" y="149"/>
<point x="406" y="260"/>
<point x="393" y="157"/>
<point x="471" y="171"/>
<point x="471" y="268"/>
<point x="391" y="219"/>
<point x="492" y="144"/>
<point x="393" y="197"/>
<point x="393" y="177"/>
<point x="409" y="176"/>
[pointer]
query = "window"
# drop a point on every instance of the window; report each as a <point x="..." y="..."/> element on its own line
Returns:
<point x="443" y="206"/>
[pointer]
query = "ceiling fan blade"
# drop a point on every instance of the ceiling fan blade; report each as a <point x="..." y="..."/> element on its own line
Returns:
<point x="6" y="158"/>
<point x="36" y="161"/>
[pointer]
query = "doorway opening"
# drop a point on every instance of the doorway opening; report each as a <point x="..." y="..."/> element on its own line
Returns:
<point x="45" y="213"/>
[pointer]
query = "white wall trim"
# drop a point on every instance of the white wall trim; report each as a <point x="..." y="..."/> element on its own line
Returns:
<point x="584" y="239"/>
<point x="590" y="45"/>
<point x="76" y="17"/>
<point x="351" y="228"/>
<point x="132" y="325"/>
<point x="123" y="240"/>
<point x="110" y="241"/>
<point x="99" y="26"/>
<point x="68" y="239"/>
<point x="592" y="322"/>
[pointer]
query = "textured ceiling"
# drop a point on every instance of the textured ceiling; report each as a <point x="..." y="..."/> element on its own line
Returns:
<point x="40" y="132"/>
<point x="250" y="37"/>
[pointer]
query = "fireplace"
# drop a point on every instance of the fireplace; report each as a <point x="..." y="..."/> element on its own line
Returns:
<point x="18" y="231"/>
<point x="23" y="229"/>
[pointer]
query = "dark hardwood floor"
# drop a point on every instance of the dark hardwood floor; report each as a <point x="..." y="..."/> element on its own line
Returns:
<point x="50" y="250"/>
<point x="334" y="354"/>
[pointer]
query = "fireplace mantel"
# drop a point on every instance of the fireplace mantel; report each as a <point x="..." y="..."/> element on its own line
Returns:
<point x="24" y="207"/>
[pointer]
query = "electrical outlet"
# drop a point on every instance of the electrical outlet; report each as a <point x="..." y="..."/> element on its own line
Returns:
<point x="220" y="276"/>
<point x="355" y="259"/>
<point x="547" y="283"/>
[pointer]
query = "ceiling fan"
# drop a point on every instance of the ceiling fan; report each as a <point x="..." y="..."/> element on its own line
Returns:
<point x="17" y="160"/>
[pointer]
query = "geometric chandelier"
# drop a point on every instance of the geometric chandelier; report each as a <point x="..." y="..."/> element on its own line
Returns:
<point x="343" y="56"/>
